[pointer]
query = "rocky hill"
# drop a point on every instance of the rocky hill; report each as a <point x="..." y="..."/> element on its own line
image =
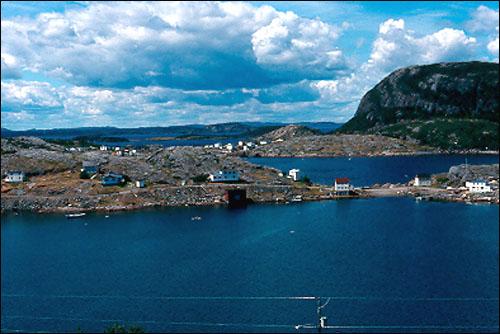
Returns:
<point x="289" y="132"/>
<point x="460" y="93"/>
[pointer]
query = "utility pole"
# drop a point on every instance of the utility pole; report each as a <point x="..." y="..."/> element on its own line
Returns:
<point x="318" y="311"/>
<point x="322" y="320"/>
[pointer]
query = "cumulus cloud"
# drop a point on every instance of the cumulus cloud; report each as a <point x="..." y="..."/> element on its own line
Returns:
<point x="298" y="45"/>
<point x="180" y="45"/>
<point x="396" y="46"/>
<point x="483" y="19"/>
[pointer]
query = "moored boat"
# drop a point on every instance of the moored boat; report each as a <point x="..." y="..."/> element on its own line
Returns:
<point x="75" y="215"/>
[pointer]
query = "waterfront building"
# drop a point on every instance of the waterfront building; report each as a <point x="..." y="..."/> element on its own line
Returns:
<point x="112" y="179"/>
<point x="422" y="180"/>
<point x="294" y="174"/>
<point x="240" y="143"/>
<point x="342" y="186"/>
<point x="478" y="186"/>
<point x="224" y="176"/>
<point x="15" y="176"/>
<point x="103" y="148"/>
<point x="229" y="147"/>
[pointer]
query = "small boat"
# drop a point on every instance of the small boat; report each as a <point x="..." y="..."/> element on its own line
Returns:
<point x="196" y="218"/>
<point x="75" y="215"/>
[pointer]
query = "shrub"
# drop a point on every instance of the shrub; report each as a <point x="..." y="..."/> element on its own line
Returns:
<point x="84" y="175"/>
<point x="200" y="178"/>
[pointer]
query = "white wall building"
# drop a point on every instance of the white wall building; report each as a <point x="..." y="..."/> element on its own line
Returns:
<point x="294" y="174"/>
<point x="229" y="147"/>
<point x="422" y="180"/>
<point x="15" y="176"/>
<point x="103" y="148"/>
<point x="478" y="186"/>
<point x="224" y="176"/>
<point x="342" y="185"/>
<point x="263" y="142"/>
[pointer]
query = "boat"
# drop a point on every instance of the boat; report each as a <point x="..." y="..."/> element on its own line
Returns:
<point x="196" y="218"/>
<point x="297" y="198"/>
<point x="75" y="215"/>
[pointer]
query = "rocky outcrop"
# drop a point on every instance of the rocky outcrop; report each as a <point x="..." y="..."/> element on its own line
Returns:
<point x="289" y="132"/>
<point x="447" y="90"/>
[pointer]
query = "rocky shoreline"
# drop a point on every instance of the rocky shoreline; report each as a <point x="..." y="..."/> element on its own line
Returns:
<point x="55" y="185"/>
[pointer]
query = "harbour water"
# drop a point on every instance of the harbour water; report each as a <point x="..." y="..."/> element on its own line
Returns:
<point x="366" y="171"/>
<point x="390" y="262"/>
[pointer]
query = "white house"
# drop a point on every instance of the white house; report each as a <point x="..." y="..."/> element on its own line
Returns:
<point x="139" y="183"/>
<point x="342" y="185"/>
<point x="245" y="148"/>
<point x="263" y="142"/>
<point x="217" y="145"/>
<point x="224" y="176"/>
<point x="294" y="174"/>
<point x="240" y="143"/>
<point x="15" y="176"/>
<point x="103" y="148"/>
<point x="422" y="180"/>
<point x="229" y="147"/>
<point x="478" y="186"/>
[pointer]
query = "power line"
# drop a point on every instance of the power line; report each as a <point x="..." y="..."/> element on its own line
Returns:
<point x="359" y="298"/>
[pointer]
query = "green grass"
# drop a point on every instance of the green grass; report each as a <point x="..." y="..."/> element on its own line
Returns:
<point x="446" y="133"/>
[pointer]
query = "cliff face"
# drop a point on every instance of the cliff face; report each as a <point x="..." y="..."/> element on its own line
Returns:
<point x="466" y="90"/>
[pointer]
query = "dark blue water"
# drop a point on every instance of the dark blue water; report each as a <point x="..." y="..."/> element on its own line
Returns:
<point x="365" y="171"/>
<point x="382" y="258"/>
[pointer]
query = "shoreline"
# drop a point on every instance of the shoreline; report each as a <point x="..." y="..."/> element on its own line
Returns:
<point x="366" y="155"/>
<point x="280" y="195"/>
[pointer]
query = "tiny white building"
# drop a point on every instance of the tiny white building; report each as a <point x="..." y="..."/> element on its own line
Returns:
<point x="15" y="176"/>
<point x="240" y="143"/>
<point x="294" y="174"/>
<point x="245" y="148"/>
<point x="263" y="142"/>
<point x="139" y="183"/>
<point x="422" y="180"/>
<point x="342" y="185"/>
<point x="229" y="147"/>
<point x="224" y="176"/>
<point x="103" y="148"/>
<point x="217" y="145"/>
<point x="478" y="186"/>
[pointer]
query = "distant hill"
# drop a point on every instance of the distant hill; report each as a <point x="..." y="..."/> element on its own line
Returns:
<point x="449" y="105"/>
<point x="234" y="129"/>
<point x="289" y="132"/>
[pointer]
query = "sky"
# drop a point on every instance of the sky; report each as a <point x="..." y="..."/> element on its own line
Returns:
<point x="133" y="64"/>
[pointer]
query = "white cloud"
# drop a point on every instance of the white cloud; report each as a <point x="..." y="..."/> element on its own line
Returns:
<point x="292" y="43"/>
<point x="397" y="47"/>
<point x="493" y="47"/>
<point x="208" y="45"/>
<point x="483" y="19"/>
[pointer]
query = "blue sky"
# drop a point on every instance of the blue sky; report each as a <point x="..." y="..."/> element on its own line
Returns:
<point x="70" y="64"/>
